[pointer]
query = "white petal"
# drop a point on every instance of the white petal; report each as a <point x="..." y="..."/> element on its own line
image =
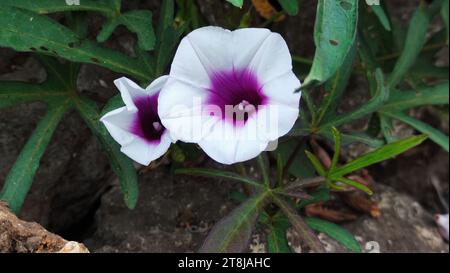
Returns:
<point x="180" y="108"/>
<point x="202" y="51"/>
<point x="283" y="109"/>
<point x="227" y="144"/>
<point x="272" y="59"/>
<point x="118" y="122"/>
<point x="142" y="152"/>
<point x="245" y="44"/>
<point x="157" y="85"/>
<point x="128" y="91"/>
<point x="211" y="49"/>
<point x="281" y="90"/>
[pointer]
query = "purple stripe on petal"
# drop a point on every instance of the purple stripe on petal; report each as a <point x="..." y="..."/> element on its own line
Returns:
<point x="237" y="93"/>
<point x="147" y="124"/>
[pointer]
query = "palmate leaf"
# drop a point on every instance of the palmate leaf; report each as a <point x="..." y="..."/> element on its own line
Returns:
<point x="24" y="30"/>
<point x="232" y="233"/>
<point x="120" y="164"/>
<point x="334" y="34"/>
<point x="138" y="21"/>
<point x="106" y="7"/>
<point x="20" y="177"/>
<point x="59" y="92"/>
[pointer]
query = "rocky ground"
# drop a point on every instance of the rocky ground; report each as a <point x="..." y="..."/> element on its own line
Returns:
<point x="76" y="195"/>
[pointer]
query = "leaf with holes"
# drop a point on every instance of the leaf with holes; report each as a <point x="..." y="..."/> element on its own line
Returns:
<point x="137" y="21"/>
<point x="334" y="35"/>
<point x="24" y="30"/>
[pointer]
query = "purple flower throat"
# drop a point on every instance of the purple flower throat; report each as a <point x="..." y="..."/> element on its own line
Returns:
<point x="147" y="123"/>
<point x="237" y="93"/>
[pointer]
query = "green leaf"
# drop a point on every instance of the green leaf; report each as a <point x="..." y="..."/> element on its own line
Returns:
<point x="350" y="138"/>
<point x="137" y="21"/>
<point x="384" y="20"/>
<point x="276" y="235"/>
<point x="386" y="152"/>
<point x="218" y="174"/>
<point x="232" y="234"/>
<point x="337" y="148"/>
<point x="336" y="232"/>
<point x="113" y="103"/>
<point x="300" y="166"/>
<point x="415" y="39"/>
<point x="316" y="163"/>
<point x="280" y="168"/>
<point x="322" y="193"/>
<point x="425" y="70"/>
<point x="444" y="14"/>
<point x="335" y="87"/>
<point x="12" y="93"/>
<point x="437" y="136"/>
<point x="167" y="36"/>
<point x="354" y="184"/>
<point x="300" y="226"/>
<point x="20" y="177"/>
<point x="290" y="6"/>
<point x="374" y="104"/>
<point x="237" y="3"/>
<point x="264" y="166"/>
<point x="334" y="35"/>
<point x="106" y="7"/>
<point x="121" y="164"/>
<point x="78" y="23"/>
<point x="403" y="100"/>
<point x="26" y="31"/>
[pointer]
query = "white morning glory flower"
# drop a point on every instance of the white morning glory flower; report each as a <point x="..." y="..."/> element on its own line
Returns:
<point x="136" y="126"/>
<point x="232" y="92"/>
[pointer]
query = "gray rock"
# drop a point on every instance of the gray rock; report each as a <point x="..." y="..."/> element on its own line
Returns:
<point x="404" y="226"/>
<point x="173" y="214"/>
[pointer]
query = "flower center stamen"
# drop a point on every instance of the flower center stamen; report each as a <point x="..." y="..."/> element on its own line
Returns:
<point x="157" y="126"/>
<point x="237" y="93"/>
